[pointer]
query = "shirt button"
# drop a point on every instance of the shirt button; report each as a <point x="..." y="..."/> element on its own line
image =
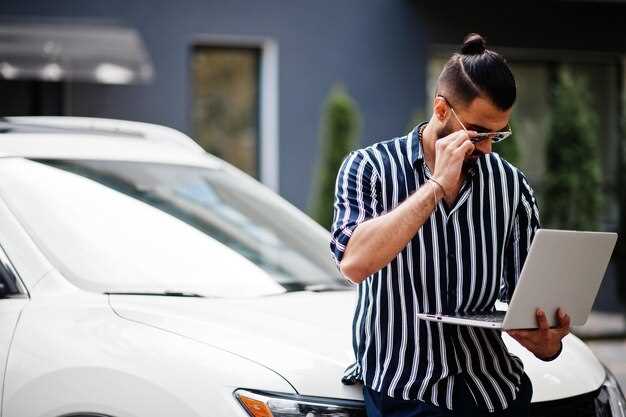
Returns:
<point x="451" y="256"/>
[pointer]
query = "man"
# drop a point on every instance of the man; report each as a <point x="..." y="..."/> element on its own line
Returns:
<point x="435" y="222"/>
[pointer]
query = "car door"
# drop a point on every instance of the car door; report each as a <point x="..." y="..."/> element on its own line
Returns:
<point x="13" y="297"/>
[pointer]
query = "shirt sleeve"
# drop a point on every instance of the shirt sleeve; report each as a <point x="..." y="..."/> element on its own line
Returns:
<point x="355" y="200"/>
<point x="525" y="225"/>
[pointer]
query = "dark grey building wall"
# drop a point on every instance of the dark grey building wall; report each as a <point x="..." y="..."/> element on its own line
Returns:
<point x="375" y="47"/>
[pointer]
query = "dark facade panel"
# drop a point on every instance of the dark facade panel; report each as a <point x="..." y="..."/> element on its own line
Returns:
<point x="556" y="25"/>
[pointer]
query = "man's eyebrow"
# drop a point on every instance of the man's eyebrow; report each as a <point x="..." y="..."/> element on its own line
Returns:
<point x="481" y="129"/>
<point x="478" y="128"/>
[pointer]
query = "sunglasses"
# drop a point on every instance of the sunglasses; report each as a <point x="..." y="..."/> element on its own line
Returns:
<point x="494" y="136"/>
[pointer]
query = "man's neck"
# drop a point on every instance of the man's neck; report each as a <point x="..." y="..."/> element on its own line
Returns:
<point x="428" y="146"/>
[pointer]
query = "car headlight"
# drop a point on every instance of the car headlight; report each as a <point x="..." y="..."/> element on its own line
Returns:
<point x="615" y="399"/>
<point x="264" y="404"/>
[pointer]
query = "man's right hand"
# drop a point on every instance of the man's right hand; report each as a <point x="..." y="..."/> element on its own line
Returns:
<point x="450" y="152"/>
<point x="375" y="242"/>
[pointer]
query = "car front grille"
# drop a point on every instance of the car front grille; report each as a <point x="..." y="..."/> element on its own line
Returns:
<point x="592" y="404"/>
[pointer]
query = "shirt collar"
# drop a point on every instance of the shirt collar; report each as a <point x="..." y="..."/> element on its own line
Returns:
<point x="417" y="154"/>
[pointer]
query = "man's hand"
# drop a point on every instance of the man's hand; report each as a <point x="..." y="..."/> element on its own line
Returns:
<point x="543" y="342"/>
<point x="450" y="152"/>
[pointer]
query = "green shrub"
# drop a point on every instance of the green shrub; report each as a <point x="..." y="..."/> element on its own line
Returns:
<point x="572" y="183"/>
<point x="340" y="128"/>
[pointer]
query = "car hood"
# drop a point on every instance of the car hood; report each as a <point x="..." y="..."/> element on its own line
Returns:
<point x="306" y="337"/>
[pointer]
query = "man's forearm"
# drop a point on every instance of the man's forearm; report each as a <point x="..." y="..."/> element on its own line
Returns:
<point x="375" y="242"/>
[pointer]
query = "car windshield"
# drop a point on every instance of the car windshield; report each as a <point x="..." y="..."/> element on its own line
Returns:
<point x="117" y="226"/>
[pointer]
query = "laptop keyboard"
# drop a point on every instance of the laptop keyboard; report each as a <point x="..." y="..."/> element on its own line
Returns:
<point x="494" y="317"/>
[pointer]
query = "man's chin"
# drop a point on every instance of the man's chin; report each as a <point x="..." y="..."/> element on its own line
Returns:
<point x="475" y="156"/>
<point x="471" y="161"/>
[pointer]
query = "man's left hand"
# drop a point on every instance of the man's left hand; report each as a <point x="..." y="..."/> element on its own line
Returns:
<point x="543" y="342"/>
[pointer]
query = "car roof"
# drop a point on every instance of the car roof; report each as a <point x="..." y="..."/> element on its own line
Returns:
<point x="63" y="137"/>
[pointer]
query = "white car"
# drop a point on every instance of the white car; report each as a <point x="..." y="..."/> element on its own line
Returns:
<point x="143" y="277"/>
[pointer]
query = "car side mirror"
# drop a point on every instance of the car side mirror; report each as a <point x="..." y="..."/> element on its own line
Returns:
<point x="3" y="290"/>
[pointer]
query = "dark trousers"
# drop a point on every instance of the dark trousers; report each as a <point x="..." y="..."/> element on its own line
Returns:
<point x="378" y="404"/>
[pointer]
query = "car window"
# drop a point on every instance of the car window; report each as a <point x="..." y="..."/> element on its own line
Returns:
<point x="9" y="282"/>
<point x="131" y="226"/>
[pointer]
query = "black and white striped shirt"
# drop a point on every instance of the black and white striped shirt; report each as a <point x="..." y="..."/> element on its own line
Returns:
<point x="461" y="260"/>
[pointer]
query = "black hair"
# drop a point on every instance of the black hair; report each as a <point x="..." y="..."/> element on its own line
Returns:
<point x="477" y="71"/>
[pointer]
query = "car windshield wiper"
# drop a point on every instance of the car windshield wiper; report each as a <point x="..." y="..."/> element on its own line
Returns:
<point x="161" y="293"/>
<point x="326" y="287"/>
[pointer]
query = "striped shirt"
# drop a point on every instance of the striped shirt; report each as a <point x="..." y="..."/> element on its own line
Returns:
<point x="460" y="261"/>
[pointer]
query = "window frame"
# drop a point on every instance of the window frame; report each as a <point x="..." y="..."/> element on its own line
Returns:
<point x="268" y="128"/>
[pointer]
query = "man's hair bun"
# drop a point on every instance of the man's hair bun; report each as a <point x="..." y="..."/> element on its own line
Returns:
<point x="477" y="71"/>
<point x="473" y="44"/>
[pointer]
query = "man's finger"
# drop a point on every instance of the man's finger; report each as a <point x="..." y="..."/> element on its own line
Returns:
<point x="564" y="321"/>
<point x="465" y="149"/>
<point x="452" y="137"/>
<point x="564" y="318"/>
<point x="466" y="135"/>
<point x="542" y="321"/>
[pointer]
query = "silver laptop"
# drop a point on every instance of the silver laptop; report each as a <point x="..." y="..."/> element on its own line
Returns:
<point x="563" y="269"/>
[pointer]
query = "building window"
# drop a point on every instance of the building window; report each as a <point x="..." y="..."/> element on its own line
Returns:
<point x="532" y="112"/>
<point x="225" y="108"/>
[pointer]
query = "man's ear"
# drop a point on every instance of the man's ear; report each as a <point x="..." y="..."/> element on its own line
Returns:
<point x="440" y="109"/>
